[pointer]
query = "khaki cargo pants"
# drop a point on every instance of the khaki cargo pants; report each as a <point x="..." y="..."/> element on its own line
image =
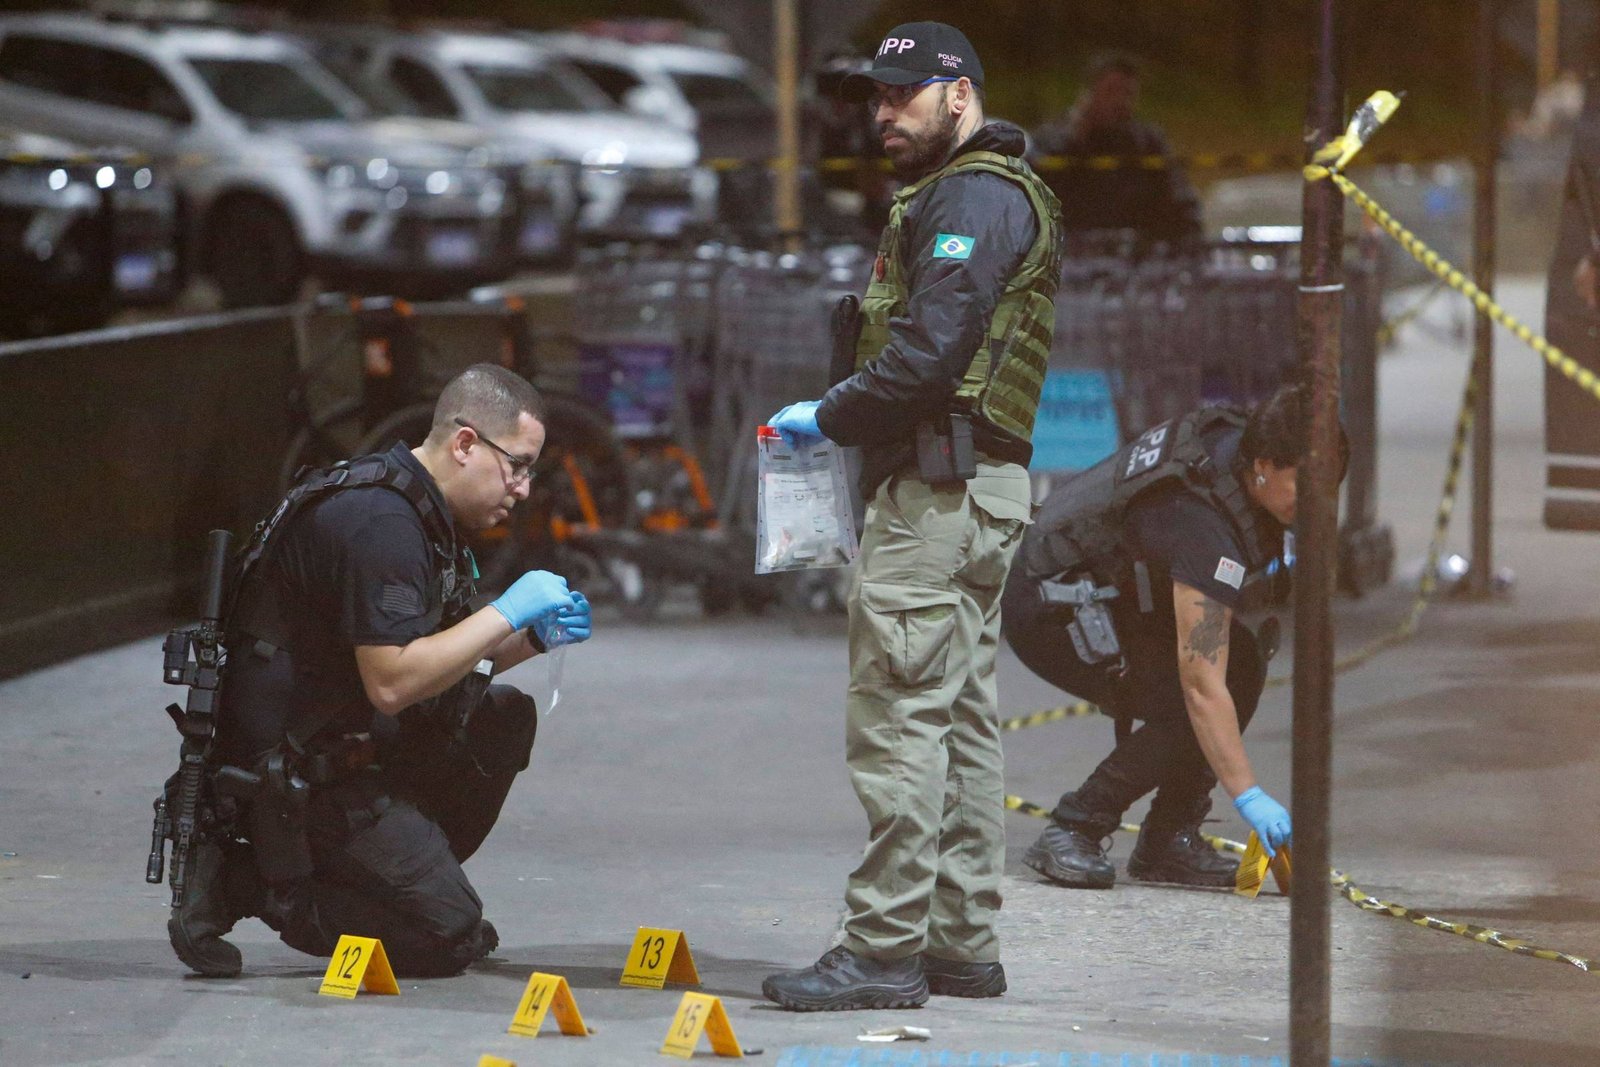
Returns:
<point x="922" y="734"/>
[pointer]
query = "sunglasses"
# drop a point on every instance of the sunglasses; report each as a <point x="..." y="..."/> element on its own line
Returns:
<point x="898" y="96"/>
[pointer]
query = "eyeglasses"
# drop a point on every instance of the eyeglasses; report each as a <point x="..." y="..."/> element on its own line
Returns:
<point x="521" y="469"/>
<point x="898" y="96"/>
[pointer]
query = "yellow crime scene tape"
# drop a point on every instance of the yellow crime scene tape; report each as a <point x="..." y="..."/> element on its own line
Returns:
<point x="1327" y="165"/>
<point x="1392" y="327"/>
<point x="1369" y="903"/>
<point x="1079" y="710"/>
<point x="1428" y="586"/>
<point x="1240" y="162"/>
<point x="75" y="159"/>
<point x="1328" y="162"/>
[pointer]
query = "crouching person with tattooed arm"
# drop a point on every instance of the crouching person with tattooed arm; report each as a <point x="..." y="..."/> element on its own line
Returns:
<point x="1124" y="594"/>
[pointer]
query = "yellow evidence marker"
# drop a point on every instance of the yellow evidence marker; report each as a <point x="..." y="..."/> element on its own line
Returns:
<point x="658" y="957"/>
<point x="357" y="962"/>
<point x="1252" y="873"/>
<point x="546" y="992"/>
<point x="701" y="1013"/>
<point x="487" y="1060"/>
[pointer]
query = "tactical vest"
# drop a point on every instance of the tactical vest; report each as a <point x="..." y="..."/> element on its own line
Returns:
<point x="1089" y="538"/>
<point x="255" y="621"/>
<point x="1006" y="375"/>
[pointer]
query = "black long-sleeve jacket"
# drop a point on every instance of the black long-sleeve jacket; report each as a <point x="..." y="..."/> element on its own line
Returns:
<point x="950" y="306"/>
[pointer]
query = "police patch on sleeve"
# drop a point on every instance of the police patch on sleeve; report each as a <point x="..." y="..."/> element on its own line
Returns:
<point x="1230" y="573"/>
<point x="952" y="246"/>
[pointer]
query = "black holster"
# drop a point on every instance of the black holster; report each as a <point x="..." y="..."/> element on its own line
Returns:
<point x="277" y="821"/>
<point x="945" y="454"/>
<point x="846" y="335"/>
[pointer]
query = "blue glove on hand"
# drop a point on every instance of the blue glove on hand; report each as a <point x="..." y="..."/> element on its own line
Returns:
<point x="568" y="626"/>
<point x="797" y="424"/>
<point x="1266" y="817"/>
<point x="533" y="596"/>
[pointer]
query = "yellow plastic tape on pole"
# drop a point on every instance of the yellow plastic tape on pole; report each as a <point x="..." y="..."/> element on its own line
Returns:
<point x="1327" y="164"/>
<point x="1367" y="120"/>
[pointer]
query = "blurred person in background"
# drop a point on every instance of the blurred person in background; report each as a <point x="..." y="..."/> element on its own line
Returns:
<point x="1158" y="203"/>
<point x="846" y="146"/>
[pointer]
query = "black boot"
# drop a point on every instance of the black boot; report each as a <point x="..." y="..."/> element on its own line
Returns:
<point x="1181" y="857"/>
<point x="844" y="981"/>
<point x="949" y="978"/>
<point x="221" y="887"/>
<point x="1073" y="856"/>
<point x="482" y="944"/>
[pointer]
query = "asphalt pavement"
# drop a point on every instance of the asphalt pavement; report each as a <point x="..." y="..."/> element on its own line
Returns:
<point x="693" y="778"/>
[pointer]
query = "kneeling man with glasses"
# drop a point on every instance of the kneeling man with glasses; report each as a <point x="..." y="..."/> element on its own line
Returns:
<point x="357" y="685"/>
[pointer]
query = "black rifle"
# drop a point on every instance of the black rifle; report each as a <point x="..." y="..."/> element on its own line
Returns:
<point x="196" y="798"/>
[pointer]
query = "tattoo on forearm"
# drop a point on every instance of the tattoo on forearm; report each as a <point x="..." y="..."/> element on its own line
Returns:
<point x="1209" y="637"/>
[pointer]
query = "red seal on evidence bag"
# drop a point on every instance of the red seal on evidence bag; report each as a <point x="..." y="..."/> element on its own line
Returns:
<point x="877" y="268"/>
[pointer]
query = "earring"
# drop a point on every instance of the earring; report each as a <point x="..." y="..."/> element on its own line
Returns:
<point x="1261" y="479"/>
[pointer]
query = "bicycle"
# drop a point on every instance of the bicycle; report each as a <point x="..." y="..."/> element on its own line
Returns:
<point x="579" y="482"/>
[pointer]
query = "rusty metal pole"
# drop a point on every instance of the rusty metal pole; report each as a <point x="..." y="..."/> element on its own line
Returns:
<point x="786" y="65"/>
<point x="1549" y="48"/>
<point x="1480" y="570"/>
<point x="1317" y="549"/>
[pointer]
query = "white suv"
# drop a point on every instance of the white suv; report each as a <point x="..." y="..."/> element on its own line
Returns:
<point x="636" y="177"/>
<point x="545" y="189"/>
<point x="720" y="97"/>
<point x="279" y="175"/>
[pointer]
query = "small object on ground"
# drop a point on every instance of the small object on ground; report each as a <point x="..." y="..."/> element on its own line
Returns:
<point x="897" y="1033"/>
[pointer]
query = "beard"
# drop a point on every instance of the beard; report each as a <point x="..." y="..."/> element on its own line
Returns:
<point x="921" y="153"/>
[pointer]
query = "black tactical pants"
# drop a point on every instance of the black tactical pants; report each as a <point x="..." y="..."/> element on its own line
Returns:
<point x="1162" y="753"/>
<point x="387" y="847"/>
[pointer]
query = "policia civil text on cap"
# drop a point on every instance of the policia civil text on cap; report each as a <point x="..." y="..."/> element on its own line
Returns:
<point x="358" y="753"/>
<point x="954" y="335"/>
<point x="1124" y="594"/>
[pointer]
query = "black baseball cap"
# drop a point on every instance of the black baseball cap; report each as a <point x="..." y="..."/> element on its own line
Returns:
<point x="914" y="52"/>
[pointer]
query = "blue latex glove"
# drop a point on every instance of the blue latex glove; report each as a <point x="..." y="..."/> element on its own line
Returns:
<point x="568" y="626"/>
<point x="533" y="596"/>
<point x="797" y="424"/>
<point x="1266" y="817"/>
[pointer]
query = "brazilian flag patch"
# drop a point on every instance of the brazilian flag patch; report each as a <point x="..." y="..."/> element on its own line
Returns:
<point x="952" y="246"/>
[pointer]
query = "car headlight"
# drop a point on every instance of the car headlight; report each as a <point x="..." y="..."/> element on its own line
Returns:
<point x="612" y="154"/>
<point x="492" y="195"/>
<point x="343" y="176"/>
<point x="597" y="181"/>
<point x="374" y="173"/>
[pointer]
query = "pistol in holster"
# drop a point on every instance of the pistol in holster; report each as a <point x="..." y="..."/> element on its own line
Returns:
<point x="1091" y="628"/>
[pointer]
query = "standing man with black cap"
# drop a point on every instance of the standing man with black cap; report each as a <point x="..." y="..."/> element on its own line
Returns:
<point x="954" y="337"/>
